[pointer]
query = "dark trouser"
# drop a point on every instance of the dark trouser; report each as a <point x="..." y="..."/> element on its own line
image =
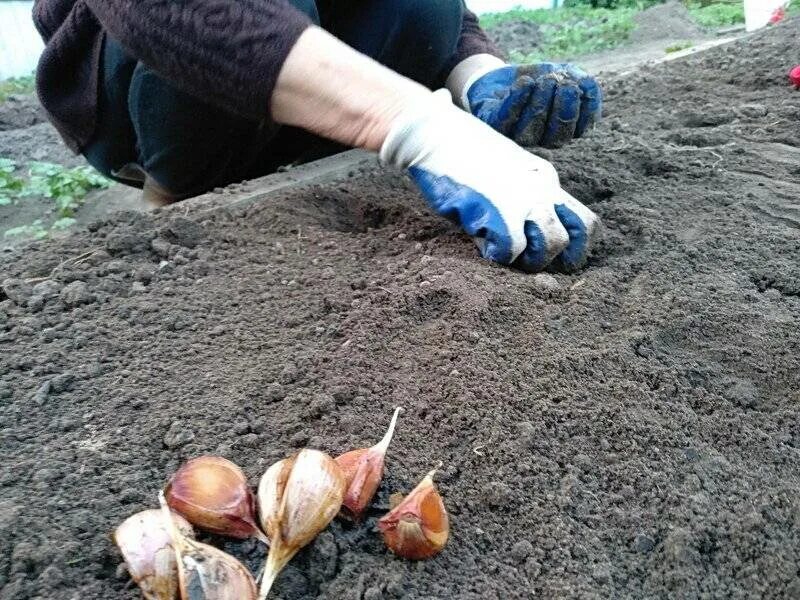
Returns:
<point x="189" y="147"/>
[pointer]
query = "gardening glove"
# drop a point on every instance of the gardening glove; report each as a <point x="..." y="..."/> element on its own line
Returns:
<point x="507" y="199"/>
<point x="542" y="104"/>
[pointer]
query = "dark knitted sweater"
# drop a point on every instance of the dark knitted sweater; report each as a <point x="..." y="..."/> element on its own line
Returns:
<point x="228" y="53"/>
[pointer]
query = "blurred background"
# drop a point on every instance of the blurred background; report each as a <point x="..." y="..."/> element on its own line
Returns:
<point x="20" y="44"/>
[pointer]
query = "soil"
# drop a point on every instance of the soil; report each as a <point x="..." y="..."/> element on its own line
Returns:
<point x="627" y="431"/>
<point x="20" y="110"/>
<point x="522" y="36"/>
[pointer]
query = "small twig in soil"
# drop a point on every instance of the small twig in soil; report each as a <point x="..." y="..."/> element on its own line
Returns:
<point x="75" y="260"/>
<point x="477" y="450"/>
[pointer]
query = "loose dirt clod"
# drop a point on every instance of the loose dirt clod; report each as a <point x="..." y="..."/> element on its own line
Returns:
<point x="643" y="424"/>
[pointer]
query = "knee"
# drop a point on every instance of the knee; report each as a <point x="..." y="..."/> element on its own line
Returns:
<point x="436" y="23"/>
<point x="430" y="32"/>
<point x="183" y="143"/>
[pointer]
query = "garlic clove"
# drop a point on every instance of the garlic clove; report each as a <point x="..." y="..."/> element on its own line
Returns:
<point x="270" y="492"/>
<point x="309" y="500"/>
<point x="363" y="472"/>
<point x="212" y="493"/>
<point x="146" y="545"/>
<point x="418" y="527"/>
<point x="205" y="572"/>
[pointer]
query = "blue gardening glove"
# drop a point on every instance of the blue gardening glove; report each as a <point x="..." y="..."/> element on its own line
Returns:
<point x="507" y="199"/>
<point x="544" y="104"/>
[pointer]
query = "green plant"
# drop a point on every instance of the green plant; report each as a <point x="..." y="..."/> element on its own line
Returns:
<point x="716" y="14"/>
<point x="677" y="47"/>
<point x="10" y="185"/>
<point x="16" y="85"/>
<point x="34" y="230"/>
<point x="63" y="223"/>
<point x="569" y="32"/>
<point x="640" y="4"/>
<point x="67" y="187"/>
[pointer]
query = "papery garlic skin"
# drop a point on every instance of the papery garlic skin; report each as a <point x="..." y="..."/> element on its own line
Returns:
<point x="213" y="494"/>
<point x="310" y="499"/>
<point x="205" y="572"/>
<point x="363" y="472"/>
<point x="418" y="527"/>
<point x="270" y="493"/>
<point x="146" y="545"/>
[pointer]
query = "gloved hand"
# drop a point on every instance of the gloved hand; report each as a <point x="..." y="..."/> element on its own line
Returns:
<point x="507" y="199"/>
<point x="544" y="104"/>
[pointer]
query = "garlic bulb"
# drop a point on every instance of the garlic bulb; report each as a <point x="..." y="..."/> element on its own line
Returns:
<point x="146" y="545"/>
<point x="205" y="572"/>
<point x="297" y="498"/>
<point x="212" y="493"/>
<point x="363" y="472"/>
<point x="418" y="527"/>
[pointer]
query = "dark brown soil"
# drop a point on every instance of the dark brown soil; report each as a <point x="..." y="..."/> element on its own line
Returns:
<point x="20" y="110"/>
<point x="629" y="431"/>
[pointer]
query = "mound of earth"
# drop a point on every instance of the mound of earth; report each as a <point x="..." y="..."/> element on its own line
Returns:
<point x="669" y="21"/>
<point x="20" y="110"/>
<point x="627" y="431"/>
<point x="522" y="36"/>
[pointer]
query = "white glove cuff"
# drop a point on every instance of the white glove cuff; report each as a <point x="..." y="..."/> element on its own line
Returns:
<point x="403" y="146"/>
<point x="467" y="72"/>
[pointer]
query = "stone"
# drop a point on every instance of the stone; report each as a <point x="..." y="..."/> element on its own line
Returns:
<point x="36" y="303"/>
<point x="546" y="282"/>
<point x="121" y="243"/>
<point x="145" y="273"/>
<point x="116" y="266"/>
<point x="76" y="294"/>
<point x="241" y="427"/>
<point x="40" y="396"/>
<point x="182" y="232"/>
<point x="16" y="290"/>
<point x="299" y="439"/>
<point x="161" y="247"/>
<point x="753" y="110"/>
<point x="47" y="289"/>
<point x="61" y="383"/>
<point x="248" y="440"/>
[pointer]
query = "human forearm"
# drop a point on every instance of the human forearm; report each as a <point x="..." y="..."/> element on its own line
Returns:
<point x="328" y="88"/>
